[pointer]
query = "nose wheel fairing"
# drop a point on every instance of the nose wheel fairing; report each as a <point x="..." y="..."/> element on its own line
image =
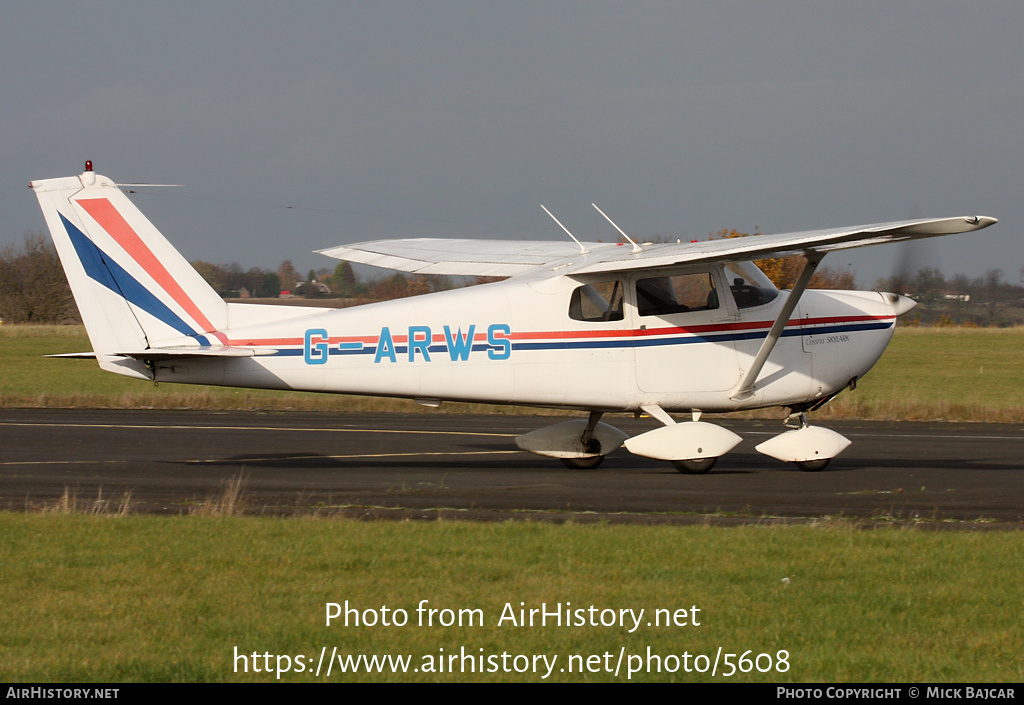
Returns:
<point x="810" y="448"/>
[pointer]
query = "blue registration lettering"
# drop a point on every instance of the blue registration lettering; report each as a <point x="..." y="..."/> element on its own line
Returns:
<point x="416" y="344"/>
<point x="315" y="346"/>
<point x="501" y="347"/>
<point x="385" y="346"/>
<point x="459" y="347"/>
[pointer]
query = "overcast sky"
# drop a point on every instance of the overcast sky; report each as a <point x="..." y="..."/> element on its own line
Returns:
<point x="458" y="119"/>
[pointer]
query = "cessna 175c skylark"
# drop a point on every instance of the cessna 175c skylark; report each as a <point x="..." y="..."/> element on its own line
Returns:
<point x="691" y="328"/>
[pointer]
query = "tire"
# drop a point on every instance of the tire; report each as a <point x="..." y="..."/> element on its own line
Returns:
<point x="813" y="465"/>
<point x="698" y="466"/>
<point x="583" y="463"/>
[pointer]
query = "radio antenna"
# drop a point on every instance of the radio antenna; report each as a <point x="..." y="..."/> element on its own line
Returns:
<point x="583" y="250"/>
<point x="636" y="247"/>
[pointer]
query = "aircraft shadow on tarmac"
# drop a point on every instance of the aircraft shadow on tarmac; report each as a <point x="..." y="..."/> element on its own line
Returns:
<point x="734" y="464"/>
<point x="313" y="461"/>
<point x="738" y="464"/>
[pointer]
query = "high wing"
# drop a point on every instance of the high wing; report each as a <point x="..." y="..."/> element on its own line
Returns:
<point x="482" y="258"/>
<point x="784" y="244"/>
<point x="509" y="258"/>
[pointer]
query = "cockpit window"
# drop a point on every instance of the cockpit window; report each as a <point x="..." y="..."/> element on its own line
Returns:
<point x="749" y="285"/>
<point x="600" y="301"/>
<point x="662" y="296"/>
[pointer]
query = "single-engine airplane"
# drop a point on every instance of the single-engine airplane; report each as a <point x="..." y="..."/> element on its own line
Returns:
<point x="690" y="328"/>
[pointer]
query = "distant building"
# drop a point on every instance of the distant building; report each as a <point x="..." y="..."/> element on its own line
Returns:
<point x="311" y="289"/>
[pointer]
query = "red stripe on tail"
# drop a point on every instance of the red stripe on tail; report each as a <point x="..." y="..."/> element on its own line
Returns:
<point x="104" y="213"/>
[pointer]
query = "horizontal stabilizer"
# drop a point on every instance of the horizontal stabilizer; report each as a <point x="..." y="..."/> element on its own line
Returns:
<point x="75" y="356"/>
<point x="154" y="354"/>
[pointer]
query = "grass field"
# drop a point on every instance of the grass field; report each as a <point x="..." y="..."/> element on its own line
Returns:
<point x="954" y="374"/>
<point x="969" y="374"/>
<point x="168" y="599"/>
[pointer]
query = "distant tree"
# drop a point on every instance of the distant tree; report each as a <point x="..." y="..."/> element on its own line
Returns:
<point x="992" y="285"/>
<point x="828" y="278"/>
<point x="33" y="288"/>
<point x="235" y="278"/>
<point x="263" y="283"/>
<point x="960" y="284"/>
<point x="287" y="275"/>
<point x="344" y="281"/>
<point x="476" y="281"/>
<point x="394" y="287"/>
<point x="343" y="274"/>
<point x="417" y="286"/>
<point x="928" y="284"/>
<point x="214" y="274"/>
<point x="325" y="277"/>
<point x="437" y="282"/>
<point x="228" y="279"/>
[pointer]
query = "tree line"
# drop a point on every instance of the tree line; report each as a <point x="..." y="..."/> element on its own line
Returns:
<point x="342" y="282"/>
<point x="33" y="288"/>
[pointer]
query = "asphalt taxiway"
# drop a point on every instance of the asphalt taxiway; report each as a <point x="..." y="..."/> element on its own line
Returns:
<point x="448" y="465"/>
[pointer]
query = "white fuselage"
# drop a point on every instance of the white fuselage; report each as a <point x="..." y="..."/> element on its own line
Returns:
<point x="515" y="342"/>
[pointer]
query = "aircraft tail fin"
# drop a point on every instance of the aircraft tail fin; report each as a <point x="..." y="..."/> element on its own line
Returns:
<point x="133" y="289"/>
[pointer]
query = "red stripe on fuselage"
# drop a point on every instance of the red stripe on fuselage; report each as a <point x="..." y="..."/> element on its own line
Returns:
<point x="568" y="334"/>
<point x="104" y="213"/>
<point x="694" y="330"/>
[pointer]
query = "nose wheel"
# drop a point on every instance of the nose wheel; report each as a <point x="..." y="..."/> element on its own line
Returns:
<point x="809" y="448"/>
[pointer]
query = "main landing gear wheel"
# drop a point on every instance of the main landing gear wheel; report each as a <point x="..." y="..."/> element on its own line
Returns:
<point x="812" y="465"/>
<point x="583" y="463"/>
<point x="697" y="466"/>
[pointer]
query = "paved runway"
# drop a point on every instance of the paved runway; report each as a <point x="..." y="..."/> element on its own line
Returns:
<point x="438" y="465"/>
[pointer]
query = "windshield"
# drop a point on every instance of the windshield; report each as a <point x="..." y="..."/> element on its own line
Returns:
<point x="749" y="285"/>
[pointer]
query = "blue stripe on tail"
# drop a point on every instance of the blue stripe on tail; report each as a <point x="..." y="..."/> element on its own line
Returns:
<point x="106" y="271"/>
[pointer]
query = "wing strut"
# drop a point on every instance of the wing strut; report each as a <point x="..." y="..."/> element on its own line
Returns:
<point x="745" y="389"/>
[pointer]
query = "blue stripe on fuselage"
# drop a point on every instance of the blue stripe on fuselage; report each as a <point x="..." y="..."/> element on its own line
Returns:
<point x="644" y="342"/>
